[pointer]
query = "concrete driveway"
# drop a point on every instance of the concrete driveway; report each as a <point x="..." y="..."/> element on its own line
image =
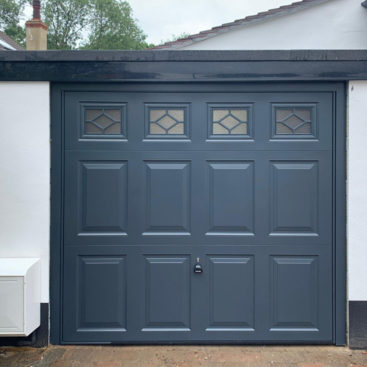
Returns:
<point x="182" y="356"/>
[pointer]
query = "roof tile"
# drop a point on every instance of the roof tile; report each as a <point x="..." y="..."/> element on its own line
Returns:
<point x="4" y="37"/>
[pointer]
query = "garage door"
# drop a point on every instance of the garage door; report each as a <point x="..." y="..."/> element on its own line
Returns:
<point x="197" y="216"/>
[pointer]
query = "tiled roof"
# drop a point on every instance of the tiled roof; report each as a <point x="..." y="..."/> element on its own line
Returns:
<point x="282" y="10"/>
<point x="7" y="43"/>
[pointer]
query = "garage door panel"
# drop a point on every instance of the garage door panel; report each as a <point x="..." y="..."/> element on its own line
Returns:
<point x="168" y="197"/>
<point x="101" y="283"/>
<point x="299" y="292"/>
<point x="167" y="293"/>
<point x="97" y="193"/>
<point x="294" y="191"/>
<point x="103" y="203"/>
<point x="96" y="298"/>
<point x="298" y="195"/>
<point x="231" y="199"/>
<point x="231" y="293"/>
<point x="294" y="293"/>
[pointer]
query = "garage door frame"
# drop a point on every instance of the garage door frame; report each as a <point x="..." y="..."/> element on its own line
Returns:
<point x="339" y="187"/>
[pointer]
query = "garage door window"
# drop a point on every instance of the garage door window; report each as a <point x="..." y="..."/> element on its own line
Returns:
<point x="229" y="121"/>
<point x="295" y="120"/>
<point x="166" y="121"/>
<point x="103" y="121"/>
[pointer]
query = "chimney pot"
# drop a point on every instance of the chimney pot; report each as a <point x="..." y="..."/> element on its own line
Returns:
<point x="36" y="9"/>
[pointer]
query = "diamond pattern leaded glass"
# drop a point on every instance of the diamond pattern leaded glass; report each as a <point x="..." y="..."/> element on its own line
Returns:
<point x="230" y="121"/>
<point x="102" y="121"/>
<point x="167" y="121"/>
<point x="293" y="120"/>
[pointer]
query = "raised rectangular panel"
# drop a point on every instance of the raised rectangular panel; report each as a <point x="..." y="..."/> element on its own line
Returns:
<point x="101" y="284"/>
<point x="168" y="197"/>
<point x="231" y="198"/>
<point x="231" y="293"/>
<point x="103" y="197"/>
<point x="167" y="293"/>
<point x="11" y="305"/>
<point x="294" y="293"/>
<point x="294" y="198"/>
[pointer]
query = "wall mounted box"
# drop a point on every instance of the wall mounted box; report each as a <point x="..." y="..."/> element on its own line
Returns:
<point x="20" y="296"/>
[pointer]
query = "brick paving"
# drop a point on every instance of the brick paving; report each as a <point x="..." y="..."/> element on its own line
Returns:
<point x="183" y="356"/>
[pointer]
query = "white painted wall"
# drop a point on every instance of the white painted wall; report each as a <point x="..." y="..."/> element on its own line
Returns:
<point x="336" y="24"/>
<point x="357" y="191"/>
<point x="25" y="173"/>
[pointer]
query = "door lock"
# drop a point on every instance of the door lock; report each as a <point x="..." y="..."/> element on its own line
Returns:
<point x="198" y="269"/>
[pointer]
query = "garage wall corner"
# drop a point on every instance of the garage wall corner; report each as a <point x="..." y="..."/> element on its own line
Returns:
<point x="357" y="213"/>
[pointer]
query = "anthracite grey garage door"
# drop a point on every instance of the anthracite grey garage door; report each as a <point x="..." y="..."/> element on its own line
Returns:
<point x="236" y="185"/>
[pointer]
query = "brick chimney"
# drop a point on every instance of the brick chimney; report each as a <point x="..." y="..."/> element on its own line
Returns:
<point x="36" y="30"/>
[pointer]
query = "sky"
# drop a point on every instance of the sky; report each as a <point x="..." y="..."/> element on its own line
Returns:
<point x="161" y="19"/>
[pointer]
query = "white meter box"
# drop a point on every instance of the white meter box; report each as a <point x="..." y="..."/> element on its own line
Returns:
<point x="20" y="295"/>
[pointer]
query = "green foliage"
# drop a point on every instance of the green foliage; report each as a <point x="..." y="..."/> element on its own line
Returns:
<point x="10" y="14"/>
<point x="113" y="27"/>
<point x="175" y="37"/>
<point x="88" y="24"/>
<point x="66" y="20"/>
<point x="17" y="33"/>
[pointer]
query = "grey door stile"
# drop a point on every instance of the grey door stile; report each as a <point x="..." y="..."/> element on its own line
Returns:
<point x="238" y="183"/>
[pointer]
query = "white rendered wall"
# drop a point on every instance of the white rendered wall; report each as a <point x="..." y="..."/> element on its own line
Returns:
<point x="25" y="173"/>
<point x="357" y="191"/>
<point x="336" y="24"/>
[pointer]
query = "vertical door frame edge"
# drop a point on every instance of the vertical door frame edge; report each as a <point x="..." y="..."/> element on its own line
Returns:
<point x="339" y="220"/>
<point x="57" y="195"/>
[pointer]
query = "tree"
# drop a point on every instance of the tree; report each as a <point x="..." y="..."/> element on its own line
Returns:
<point x="92" y="24"/>
<point x="113" y="27"/>
<point x="10" y="14"/>
<point x="88" y="24"/>
<point x="66" y="20"/>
